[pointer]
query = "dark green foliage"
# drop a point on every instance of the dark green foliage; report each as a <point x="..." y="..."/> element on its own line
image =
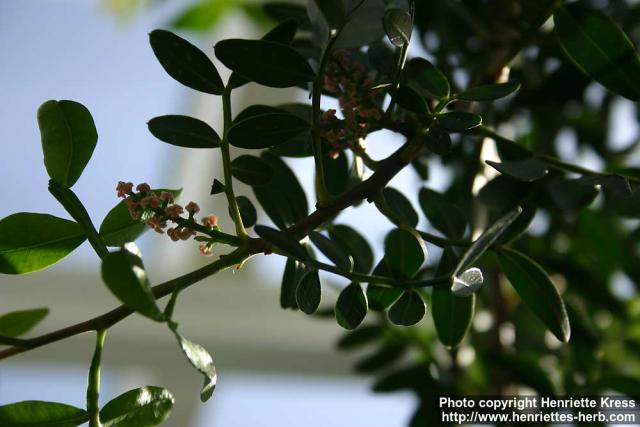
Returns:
<point x="408" y="310"/>
<point x="266" y="62"/>
<point x="143" y="407"/>
<point x="185" y="62"/>
<point x="308" y="292"/>
<point x="20" y="322"/>
<point x="30" y="241"/>
<point x="184" y="131"/>
<point x="351" y="307"/>
<point x="33" y="413"/>
<point x="68" y="139"/>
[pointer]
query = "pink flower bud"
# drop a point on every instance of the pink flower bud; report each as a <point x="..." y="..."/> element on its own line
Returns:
<point x="151" y="201"/>
<point x="185" y="233"/>
<point x="210" y="221"/>
<point x="174" y="234"/>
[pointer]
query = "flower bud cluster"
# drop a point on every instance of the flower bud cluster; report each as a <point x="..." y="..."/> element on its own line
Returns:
<point x="159" y="209"/>
<point x="347" y="79"/>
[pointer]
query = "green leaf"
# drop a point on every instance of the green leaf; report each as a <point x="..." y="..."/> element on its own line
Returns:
<point x="282" y="198"/>
<point x="298" y="146"/>
<point x="123" y="273"/>
<point x="68" y="138"/>
<point x="268" y="63"/>
<point x="336" y="173"/>
<point x="35" y="413"/>
<point x="248" y="212"/>
<point x="528" y="170"/>
<point x="572" y="194"/>
<point x="355" y="245"/>
<point x="329" y="13"/>
<point x="251" y="170"/>
<point x="451" y="315"/>
<point x="503" y="193"/>
<point x="293" y="272"/>
<point x="381" y="298"/>
<point x="599" y="47"/>
<point x="142" y="407"/>
<point x="401" y="206"/>
<point x="203" y="362"/>
<point x="31" y="241"/>
<point x="266" y="130"/>
<point x="408" y="310"/>
<point x="404" y="252"/>
<point x="281" y="33"/>
<point x="409" y="99"/>
<point x="282" y="11"/>
<point x="335" y="253"/>
<point x="423" y="76"/>
<point x="118" y="227"/>
<point x="526" y="370"/>
<point x="537" y="290"/>
<point x="489" y="92"/>
<point x="217" y="187"/>
<point x="308" y="292"/>
<point x="398" y="26"/>
<point x="282" y="241"/>
<point x="438" y="141"/>
<point x="203" y="15"/>
<point x="486" y="239"/>
<point x="184" y="131"/>
<point x="388" y="354"/>
<point x="444" y="216"/>
<point x="17" y="323"/>
<point x="360" y="337"/>
<point x="459" y="121"/>
<point x="185" y="63"/>
<point x="351" y="307"/>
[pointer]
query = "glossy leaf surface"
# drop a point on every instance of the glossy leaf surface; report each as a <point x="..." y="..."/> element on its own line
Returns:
<point x="351" y="307"/>
<point x="31" y="241"/>
<point x="69" y="137"/>
<point x="142" y="407"/>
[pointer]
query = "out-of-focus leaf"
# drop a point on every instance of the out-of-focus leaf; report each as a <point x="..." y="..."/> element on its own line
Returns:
<point x="398" y="26"/>
<point x="250" y="170"/>
<point x="442" y="214"/>
<point x="428" y="80"/>
<point x="528" y="170"/>
<point x="409" y="99"/>
<point x="438" y="141"/>
<point x="489" y="92"/>
<point x="599" y="47"/>
<point x="537" y="290"/>
<point x="20" y="322"/>
<point x="572" y="194"/>
<point x="388" y="354"/>
<point x="451" y="315"/>
<point x="248" y="212"/>
<point x="458" y="121"/>
<point x="360" y="337"/>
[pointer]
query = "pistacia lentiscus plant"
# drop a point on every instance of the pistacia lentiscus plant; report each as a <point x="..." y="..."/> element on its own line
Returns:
<point x="525" y="73"/>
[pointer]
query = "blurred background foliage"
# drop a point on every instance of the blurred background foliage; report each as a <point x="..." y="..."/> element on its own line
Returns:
<point x="586" y="239"/>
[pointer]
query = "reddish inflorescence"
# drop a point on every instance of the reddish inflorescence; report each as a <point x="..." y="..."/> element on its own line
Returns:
<point x="348" y="80"/>
<point x="157" y="208"/>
